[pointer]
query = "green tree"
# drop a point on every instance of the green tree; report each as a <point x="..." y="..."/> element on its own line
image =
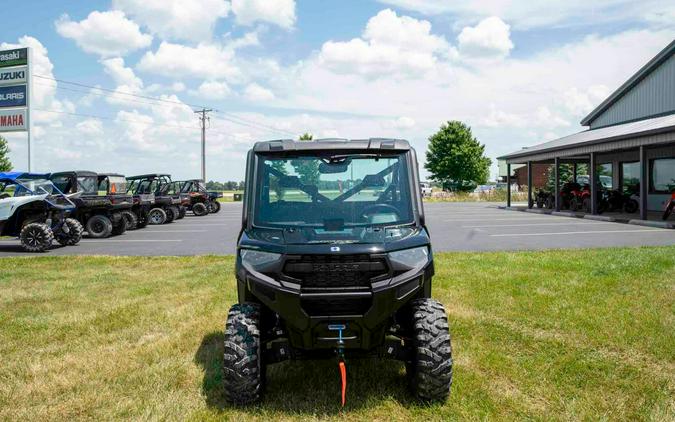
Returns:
<point x="566" y="174"/>
<point x="455" y="157"/>
<point x="308" y="170"/>
<point x="5" y="164"/>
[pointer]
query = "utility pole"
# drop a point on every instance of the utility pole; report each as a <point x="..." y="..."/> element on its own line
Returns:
<point x="202" y="119"/>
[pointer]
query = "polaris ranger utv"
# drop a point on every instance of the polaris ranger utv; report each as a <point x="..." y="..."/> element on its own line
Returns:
<point x="334" y="259"/>
<point x="35" y="211"/>
<point x="101" y="213"/>
<point x="200" y="199"/>
<point x="166" y="207"/>
<point x="114" y="185"/>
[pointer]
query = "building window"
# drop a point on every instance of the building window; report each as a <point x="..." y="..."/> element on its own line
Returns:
<point x="630" y="177"/>
<point x="605" y="175"/>
<point x="663" y="175"/>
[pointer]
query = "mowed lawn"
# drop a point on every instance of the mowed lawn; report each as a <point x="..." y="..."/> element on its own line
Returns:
<point x="583" y="334"/>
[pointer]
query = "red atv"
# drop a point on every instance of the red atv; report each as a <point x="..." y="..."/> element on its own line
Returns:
<point x="670" y="206"/>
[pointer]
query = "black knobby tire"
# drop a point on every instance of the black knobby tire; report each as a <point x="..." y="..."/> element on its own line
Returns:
<point x="631" y="206"/>
<point x="243" y="368"/>
<point x="181" y="212"/>
<point x="142" y="220"/>
<point x="430" y="370"/>
<point x="172" y="213"/>
<point x="199" y="209"/>
<point x="214" y="206"/>
<point x="36" y="237"/>
<point x="74" y="234"/>
<point x="130" y="219"/>
<point x="99" y="227"/>
<point x="121" y="226"/>
<point x="156" y="216"/>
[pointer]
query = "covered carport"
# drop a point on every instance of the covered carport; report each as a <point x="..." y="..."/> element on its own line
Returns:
<point x="631" y="135"/>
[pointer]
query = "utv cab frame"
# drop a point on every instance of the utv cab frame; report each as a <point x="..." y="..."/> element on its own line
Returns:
<point x="36" y="211"/>
<point x="101" y="213"/>
<point x="334" y="260"/>
<point x="167" y="207"/>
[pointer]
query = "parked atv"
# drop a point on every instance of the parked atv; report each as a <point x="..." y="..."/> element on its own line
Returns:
<point x="102" y="213"/>
<point x="320" y="275"/>
<point x="35" y="211"/>
<point x="143" y="203"/>
<point x="166" y="207"/>
<point x="115" y="186"/>
<point x="200" y="201"/>
<point x="618" y="201"/>
<point x="173" y="189"/>
<point x="543" y="199"/>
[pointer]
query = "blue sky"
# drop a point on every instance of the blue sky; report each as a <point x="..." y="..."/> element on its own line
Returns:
<point x="519" y="73"/>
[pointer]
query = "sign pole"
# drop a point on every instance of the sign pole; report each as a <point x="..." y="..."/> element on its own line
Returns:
<point x="29" y="93"/>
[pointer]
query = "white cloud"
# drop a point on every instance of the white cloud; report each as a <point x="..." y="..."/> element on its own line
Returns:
<point x="90" y="127"/>
<point x="255" y="92"/>
<point x="390" y="44"/>
<point x="536" y="14"/>
<point x="401" y="123"/>
<point x="490" y="38"/>
<point x="277" y="12"/>
<point x="176" y="19"/>
<point x="208" y="61"/>
<point x="213" y="90"/>
<point x="126" y="80"/>
<point x="104" y="33"/>
<point x="580" y="102"/>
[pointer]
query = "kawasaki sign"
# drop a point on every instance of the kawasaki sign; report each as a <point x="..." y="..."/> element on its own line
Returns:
<point x="16" y="57"/>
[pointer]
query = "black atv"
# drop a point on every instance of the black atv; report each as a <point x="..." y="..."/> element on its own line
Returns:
<point x="35" y="211"/>
<point x="100" y="212"/>
<point x="166" y="207"/>
<point x="335" y="262"/>
<point x="200" y="200"/>
<point x="115" y="186"/>
<point x="173" y="189"/>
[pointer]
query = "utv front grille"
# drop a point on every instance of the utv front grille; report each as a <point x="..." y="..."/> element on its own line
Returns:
<point x="335" y="307"/>
<point x="335" y="272"/>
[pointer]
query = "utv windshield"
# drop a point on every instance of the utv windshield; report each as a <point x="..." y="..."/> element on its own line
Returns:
<point x="35" y="187"/>
<point x="333" y="191"/>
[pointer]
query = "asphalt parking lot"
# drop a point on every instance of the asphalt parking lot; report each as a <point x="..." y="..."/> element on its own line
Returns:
<point x="453" y="227"/>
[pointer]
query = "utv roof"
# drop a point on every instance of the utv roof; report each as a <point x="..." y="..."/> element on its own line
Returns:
<point x="18" y="175"/>
<point x="78" y="172"/>
<point x="147" y="176"/>
<point x="110" y="174"/>
<point x="333" y="144"/>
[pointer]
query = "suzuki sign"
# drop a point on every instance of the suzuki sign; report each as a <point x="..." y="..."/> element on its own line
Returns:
<point x="13" y="75"/>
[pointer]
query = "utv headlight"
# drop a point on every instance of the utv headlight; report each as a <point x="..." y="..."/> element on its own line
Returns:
<point x="257" y="259"/>
<point x="408" y="259"/>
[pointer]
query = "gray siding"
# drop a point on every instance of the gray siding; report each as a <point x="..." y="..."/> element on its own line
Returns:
<point x="652" y="96"/>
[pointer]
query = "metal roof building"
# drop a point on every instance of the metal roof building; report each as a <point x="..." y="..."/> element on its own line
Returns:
<point x="631" y="136"/>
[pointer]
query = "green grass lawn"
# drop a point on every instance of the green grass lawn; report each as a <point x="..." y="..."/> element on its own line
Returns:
<point x="583" y="334"/>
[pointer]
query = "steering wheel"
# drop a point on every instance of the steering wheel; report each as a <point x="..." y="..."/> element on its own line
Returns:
<point x="375" y="208"/>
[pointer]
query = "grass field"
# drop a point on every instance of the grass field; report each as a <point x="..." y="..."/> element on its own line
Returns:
<point x="584" y="334"/>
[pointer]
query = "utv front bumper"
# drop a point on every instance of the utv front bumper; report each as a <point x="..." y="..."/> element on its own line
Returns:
<point x="307" y="313"/>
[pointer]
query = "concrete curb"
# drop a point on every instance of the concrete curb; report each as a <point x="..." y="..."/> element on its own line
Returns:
<point x="565" y="214"/>
<point x="538" y="211"/>
<point x="600" y="218"/>
<point x="658" y="224"/>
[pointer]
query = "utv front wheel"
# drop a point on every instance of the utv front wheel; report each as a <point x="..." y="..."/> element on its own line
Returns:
<point x="430" y="369"/>
<point x="172" y="213"/>
<point x="99" y="227"/>
<point x="74" y="234"/>
<point x="214" y="206"/>
<point x="36" y="237"/>
<point x="156" y="216"/>
<point x="199" y="209"/>
<point x="181" y="212"/>
<point x="243" y="369"/>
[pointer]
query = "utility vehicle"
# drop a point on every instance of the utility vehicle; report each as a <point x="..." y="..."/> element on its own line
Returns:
<point x="200" y="201"/>
<point x="35" y="211"/>
<point x="166" y="207"/>
<point x="334" y="259"/>
<point x="116" y="185"/>
<point x="172" y="189"/>
<point x="101" y="213"/>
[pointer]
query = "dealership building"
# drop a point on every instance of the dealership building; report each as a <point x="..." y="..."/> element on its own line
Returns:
<point x="630" y="140"/>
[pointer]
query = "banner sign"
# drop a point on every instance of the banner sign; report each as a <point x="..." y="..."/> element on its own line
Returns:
<point x="13" y="75"/>
<point x="13" y="120"/>
<point x="12" y="96"/>
<point x="15" y="57"/>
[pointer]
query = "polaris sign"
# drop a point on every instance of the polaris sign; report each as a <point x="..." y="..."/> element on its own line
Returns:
<point x="13" y="96"/>
<point x="14" y="75"/>
<point x="15" y="57"/>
